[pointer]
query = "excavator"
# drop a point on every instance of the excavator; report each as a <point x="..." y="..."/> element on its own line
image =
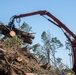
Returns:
<point x="56" y="22"/>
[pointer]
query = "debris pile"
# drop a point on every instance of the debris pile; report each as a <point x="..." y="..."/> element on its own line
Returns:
<point x="12" y="62"/>
<point x="15" y="59"/>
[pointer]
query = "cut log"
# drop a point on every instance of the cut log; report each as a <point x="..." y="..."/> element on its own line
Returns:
<point x="25" y="36"/>
<point x="12" y="33"/>
<point x="19" y="59"/>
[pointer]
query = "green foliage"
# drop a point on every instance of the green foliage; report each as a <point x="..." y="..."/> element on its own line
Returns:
<point x="50" y="41"/>
<point x="59" y="60"/>
<point x="68" y="43"/>
<point x="50" y="44"/>
<point x="26" y="27"/>
<point x="44" y="36"/>
<point x="56" y="42"/>
<point x="36" y="70"/>
<point x="35" y="47"/>
<point x="38" y="51"/>
<point x="12" y="41"/>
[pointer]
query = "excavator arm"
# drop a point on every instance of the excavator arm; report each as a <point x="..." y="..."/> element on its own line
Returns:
<point x="59" y="24"/>
<point x="44" y="12"/>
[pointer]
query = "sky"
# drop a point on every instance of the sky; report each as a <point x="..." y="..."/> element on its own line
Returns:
<point x="64" y="10"/>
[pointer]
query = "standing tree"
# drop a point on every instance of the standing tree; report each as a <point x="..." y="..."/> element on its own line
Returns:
<point x="50" y="44"/>
<point x="26" y="27"/>
<point x="69" y="47"/>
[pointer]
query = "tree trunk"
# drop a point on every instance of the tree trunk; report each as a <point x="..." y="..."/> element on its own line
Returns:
<point x="48" y="54"/>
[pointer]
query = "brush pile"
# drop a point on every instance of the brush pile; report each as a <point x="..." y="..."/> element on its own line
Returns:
<point x="15" y="59"/>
